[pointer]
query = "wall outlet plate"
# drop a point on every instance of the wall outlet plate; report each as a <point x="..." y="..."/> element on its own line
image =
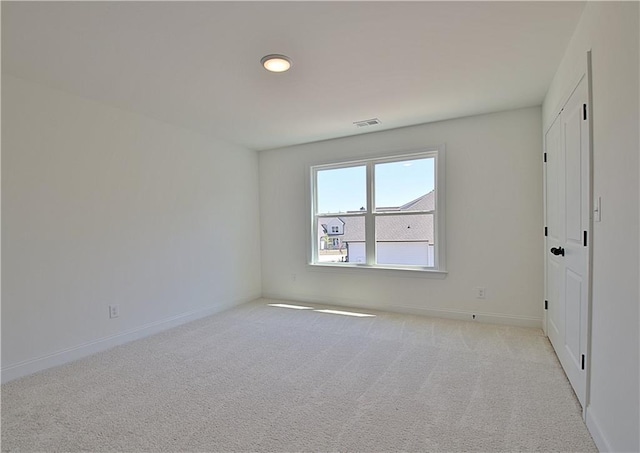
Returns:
<point x="114" y="311"/>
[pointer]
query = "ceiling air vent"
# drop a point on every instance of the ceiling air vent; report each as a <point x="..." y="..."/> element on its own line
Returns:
<point x="367" y="123"/>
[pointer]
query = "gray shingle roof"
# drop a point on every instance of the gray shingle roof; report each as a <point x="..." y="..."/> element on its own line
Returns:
<point x="353" y="229"/>
<point x="424" y="203"/>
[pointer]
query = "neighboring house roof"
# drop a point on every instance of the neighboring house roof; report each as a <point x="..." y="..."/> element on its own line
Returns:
<point x="353" y="229"/>
<point x="424" y="203"/>
<point x="405" y="228"/>
<point x="391" y="228"/>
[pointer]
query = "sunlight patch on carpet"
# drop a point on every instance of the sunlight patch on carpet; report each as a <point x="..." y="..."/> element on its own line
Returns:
<point x="346" y="313"/>
<point x="295" y="307"/>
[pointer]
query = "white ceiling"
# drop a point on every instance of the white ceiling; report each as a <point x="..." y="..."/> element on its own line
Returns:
<point x="197" y="64"/>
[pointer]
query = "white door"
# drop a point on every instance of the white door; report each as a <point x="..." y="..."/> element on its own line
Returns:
<point x="568" y="236"/>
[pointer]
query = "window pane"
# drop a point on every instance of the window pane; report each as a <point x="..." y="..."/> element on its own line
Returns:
<point x="341" y="239"/>
<point x="405" y="239"/>
<point x="342" y="190"/>
<point x="403" y="185"/>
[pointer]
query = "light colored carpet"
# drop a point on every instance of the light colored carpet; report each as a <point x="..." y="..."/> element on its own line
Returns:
<point x="264" y="378"/>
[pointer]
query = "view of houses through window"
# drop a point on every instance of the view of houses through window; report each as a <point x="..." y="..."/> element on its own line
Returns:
<point x="394" y="198"/>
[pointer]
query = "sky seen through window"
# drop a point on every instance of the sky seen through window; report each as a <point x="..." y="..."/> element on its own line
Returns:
<point x="396" y="183"/>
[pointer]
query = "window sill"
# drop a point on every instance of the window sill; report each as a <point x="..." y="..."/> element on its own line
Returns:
<point x="391" y="271"/>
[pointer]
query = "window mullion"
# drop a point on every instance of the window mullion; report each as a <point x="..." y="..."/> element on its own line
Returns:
<point x="401" y="213"/>
<point x="370" y="224"/>
<point x="314" y="216"/>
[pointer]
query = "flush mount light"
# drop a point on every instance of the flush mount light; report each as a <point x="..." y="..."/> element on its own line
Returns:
<point x="276" y="63"/>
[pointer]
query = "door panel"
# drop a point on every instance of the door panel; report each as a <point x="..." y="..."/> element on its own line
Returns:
<point x="553" y="145"/>
<point x="572" y="323"/>
<point x="573" y="185"/>
<point x="555" y="322"/>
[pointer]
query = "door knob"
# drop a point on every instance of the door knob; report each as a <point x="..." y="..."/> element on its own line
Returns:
<point x="557" y="251"/>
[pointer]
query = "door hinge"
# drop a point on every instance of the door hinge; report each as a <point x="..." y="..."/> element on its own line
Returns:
<point x="545" y="157"/>
<point x="584" y="111"/>
<point x="584" y="239"/>
<point x="583" y="361"/>
<point x="546" y="304"/>
<point x="546" y="231"/>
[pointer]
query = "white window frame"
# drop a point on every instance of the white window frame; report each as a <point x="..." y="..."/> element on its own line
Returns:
<point x="439" y="267"/>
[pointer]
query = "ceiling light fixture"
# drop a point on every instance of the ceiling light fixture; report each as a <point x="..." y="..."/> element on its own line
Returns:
<point x="276" y="63"/>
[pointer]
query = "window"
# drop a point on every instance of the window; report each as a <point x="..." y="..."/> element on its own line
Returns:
<point x="389" y="212"/>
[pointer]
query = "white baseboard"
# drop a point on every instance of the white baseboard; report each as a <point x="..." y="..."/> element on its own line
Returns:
<point x="61" y="357"/>
<point x="488" y="318"/>
<point x="596" y="432"/>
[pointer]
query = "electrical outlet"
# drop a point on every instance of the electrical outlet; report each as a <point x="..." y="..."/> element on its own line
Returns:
<point x="480" y="293"/>
<point x="114" y="311"/>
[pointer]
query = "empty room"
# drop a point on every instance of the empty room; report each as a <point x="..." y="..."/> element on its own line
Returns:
<point x="320" y="226"/>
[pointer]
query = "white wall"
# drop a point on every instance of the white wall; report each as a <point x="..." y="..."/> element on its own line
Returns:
<point x="101" y="206"/>
<point x="494" y="222"/>
<point x="610" y="30"/>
